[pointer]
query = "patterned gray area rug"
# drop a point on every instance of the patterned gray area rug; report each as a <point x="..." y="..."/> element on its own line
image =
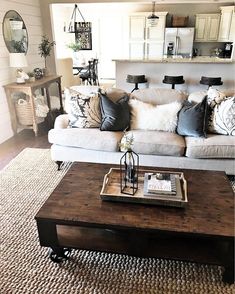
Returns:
<point x="25" y="267"/>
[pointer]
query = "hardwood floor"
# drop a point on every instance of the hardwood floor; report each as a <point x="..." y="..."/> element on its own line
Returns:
<point x="24" y="139"/>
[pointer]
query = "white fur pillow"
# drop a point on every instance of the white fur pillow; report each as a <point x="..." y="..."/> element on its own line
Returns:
<point x="145" y="116"/>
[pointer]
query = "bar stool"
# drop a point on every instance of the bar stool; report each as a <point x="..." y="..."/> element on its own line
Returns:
<point x="173" y="80"/>
<point x="211" y="81"/>
<point x="136" y="79"/>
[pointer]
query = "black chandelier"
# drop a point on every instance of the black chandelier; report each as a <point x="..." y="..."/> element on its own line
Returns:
<point x="153" y="18"/>
<point x="81" y="29"/>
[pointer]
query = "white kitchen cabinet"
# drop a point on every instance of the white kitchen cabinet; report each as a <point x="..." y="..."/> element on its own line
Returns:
<point x="226" y="24"/>
<point x="154" y="50"/>
<point x="207" y="27"/>
<point x="137" y="28"/>
<point x="232" y="29"/>
<point x="146" y="42"/>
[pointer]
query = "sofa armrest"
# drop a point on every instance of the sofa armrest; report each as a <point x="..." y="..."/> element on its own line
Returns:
<point x="62" y="121"/>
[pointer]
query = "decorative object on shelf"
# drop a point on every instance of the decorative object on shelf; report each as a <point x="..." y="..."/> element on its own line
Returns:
<point x="82" y="30"/>
<point x="136" y="79"/>
<point x="111" y="190"/>
<point x="31" y="76"/>
<point x="15" y="32"/>
<point x="45" y="48"/>
<point x="217" y="52"/>
<point x="129" y="167"/>
<point x="24" y="113"/>
<point x="152" y="20"/>
<point x="179" y="21"/>
<point x="18" y="60"/>
<point x="38" y="73"/>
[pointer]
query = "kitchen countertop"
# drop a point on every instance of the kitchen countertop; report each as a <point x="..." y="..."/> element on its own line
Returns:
<point x="199" y="59"/>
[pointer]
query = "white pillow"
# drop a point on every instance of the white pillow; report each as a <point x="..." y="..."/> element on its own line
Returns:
<point x="197" y="97"/>
<point x="158" y="96"/>
<point x="145" y="116"/>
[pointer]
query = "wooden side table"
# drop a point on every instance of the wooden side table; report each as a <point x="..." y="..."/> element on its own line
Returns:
<point x="29" y="89"/>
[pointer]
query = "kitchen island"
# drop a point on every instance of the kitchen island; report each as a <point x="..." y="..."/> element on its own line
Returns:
<point x="191" y="68"/>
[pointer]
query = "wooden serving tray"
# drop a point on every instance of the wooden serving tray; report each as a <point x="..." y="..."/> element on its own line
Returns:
<point x="111" y="190"/>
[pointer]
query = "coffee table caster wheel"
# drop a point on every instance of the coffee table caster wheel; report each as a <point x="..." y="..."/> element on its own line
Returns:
<point x="57" y="255"/>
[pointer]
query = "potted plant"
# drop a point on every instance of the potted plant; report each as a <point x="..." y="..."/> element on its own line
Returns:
<point x="45" y="48"/>
<point x="75" y="46"/>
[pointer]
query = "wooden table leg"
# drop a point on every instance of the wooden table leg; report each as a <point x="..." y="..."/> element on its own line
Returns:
<point x="12" y="111"/>
<point x="50" y="120"/>
<point x="31" y="100"/>
<point x="60" y="96"/>
<point x="228" y="275"/>
<point x="48" y="237"/>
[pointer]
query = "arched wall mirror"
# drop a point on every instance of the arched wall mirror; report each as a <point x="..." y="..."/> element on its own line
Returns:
<point x="15" y="32"/>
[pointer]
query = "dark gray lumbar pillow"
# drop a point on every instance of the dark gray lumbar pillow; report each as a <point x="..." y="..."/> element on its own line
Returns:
<point x="115" y="115"/>
<point x="193" y="119"/>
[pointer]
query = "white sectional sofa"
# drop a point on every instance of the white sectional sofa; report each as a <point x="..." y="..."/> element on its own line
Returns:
<point x="155" y="148"/>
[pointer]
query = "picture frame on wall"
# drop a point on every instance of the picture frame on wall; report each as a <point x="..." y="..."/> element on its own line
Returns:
<point x="83" y="35"/>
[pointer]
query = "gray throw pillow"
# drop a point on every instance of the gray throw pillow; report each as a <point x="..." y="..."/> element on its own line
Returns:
<point x="115" y="115"/>
<point x="193" y="119"/>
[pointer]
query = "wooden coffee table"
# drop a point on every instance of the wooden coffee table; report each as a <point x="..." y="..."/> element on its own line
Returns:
<point x="74" y="216"/>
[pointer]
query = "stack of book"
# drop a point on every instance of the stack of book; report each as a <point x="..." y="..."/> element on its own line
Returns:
<point x="165" y="186"/>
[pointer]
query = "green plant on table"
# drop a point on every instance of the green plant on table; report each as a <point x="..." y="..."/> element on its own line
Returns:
<point x="126" y="142"/>
<point x="45" y="47"/>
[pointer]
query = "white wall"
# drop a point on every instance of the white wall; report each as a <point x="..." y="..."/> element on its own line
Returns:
<point x="109" y="34"/>
<point x="30" y="12"/>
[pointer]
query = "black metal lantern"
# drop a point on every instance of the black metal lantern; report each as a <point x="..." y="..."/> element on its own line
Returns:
<point x="129" y="171"/>
<point x="82" y="30"/>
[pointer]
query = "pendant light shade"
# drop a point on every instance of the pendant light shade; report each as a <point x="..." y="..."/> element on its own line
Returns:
<point x="152" y="20"/>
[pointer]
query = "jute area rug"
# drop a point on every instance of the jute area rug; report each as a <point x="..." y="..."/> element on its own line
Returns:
<point x="25" y="267"/>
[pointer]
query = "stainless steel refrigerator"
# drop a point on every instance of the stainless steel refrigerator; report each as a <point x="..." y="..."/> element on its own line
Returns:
<point x="178" y="42"/>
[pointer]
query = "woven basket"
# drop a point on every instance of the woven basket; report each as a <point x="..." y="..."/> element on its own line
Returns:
<point x="24" y="113"/>
<point x="179" y="21"/>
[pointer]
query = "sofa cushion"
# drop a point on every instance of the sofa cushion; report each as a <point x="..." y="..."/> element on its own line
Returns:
<point x="193" y="119"/>
<point x="115" y="94"/>
<point x="115" y="115"/>
<point x="84" y="110"/>
<point x="222" y="119"/>
<point x="158" y="95"/>
<point x="145" y="116"/>
<point x="214" y="146"/>
<point x="199" y="95"/>
<point x="92" y="139"/>
<point x="84" y="90"/>
<point x="157" y="143"/>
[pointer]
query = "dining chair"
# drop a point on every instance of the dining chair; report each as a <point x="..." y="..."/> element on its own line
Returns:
<point x="89" y="75"/>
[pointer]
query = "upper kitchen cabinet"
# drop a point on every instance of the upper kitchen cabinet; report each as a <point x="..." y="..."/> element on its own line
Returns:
<point x="146" y="42"/>
<point x="227" y="24"/>
<point x="207" y="27"/>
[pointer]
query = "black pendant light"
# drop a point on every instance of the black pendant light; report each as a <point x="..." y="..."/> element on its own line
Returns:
<point x="152" y="19"/>
<point x="73" y="21"/>
<point x="81" y="29"/>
